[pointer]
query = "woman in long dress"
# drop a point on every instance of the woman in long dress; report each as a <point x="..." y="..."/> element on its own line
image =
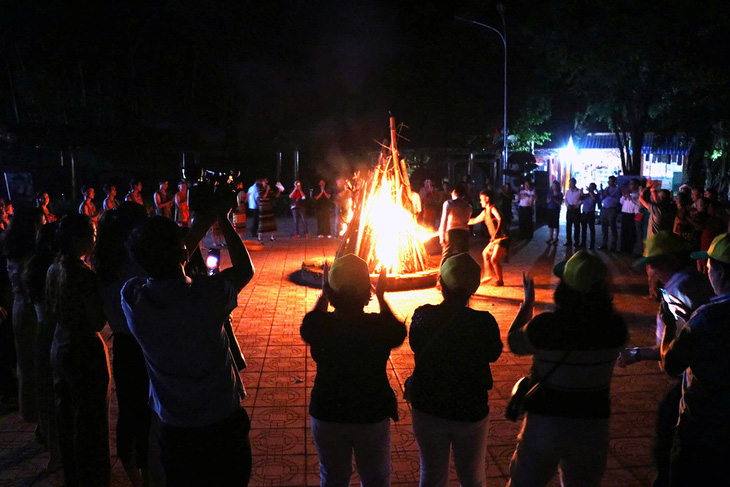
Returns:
<point x="267" y="217"/>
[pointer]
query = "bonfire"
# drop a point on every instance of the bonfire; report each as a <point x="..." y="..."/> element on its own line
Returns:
<point x="383" y="230"/>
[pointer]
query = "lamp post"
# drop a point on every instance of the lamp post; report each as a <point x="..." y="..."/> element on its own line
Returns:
<point x="503" y="36"/>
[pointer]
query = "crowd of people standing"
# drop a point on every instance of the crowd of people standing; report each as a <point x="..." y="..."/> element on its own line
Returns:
<point x="175" y="372"/>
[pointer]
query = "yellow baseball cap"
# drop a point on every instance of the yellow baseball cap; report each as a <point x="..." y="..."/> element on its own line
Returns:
<point x="582" y="271"/>
<point x="661" y="244"/>
<point x="350" y="273"/>
<point x="719" y="249"/>
<point x="461" y="271"/>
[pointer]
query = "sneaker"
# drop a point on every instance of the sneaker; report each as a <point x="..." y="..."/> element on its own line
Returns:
<point x="306" y="235"/>
<point x="272" y="238"/>
<point x="295" y="236"/>
<point x="499" y="283"/>
<point x="549" y="241"/>
<point x="260" y="238"/>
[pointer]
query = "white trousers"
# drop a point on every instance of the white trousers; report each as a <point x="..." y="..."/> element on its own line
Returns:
<point x="336" y="442"/>
<point x="437" y="436"/>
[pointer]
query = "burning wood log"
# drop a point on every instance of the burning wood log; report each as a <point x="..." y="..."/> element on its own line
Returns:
<point x="383" y="230"/>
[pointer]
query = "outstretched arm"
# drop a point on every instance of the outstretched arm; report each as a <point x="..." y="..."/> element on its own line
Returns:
<point x="478" y="219"/>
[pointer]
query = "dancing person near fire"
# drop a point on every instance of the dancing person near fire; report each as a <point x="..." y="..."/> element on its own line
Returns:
<point x="453" y="346"/>
<point x="454" y="227"/>
<point x="178" y="321"/>
<point x="566" y="427"/>
<point x="352" y="402"/>
<point x="496" y="249"/>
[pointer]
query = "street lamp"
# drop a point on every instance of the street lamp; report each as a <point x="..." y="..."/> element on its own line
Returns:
<point x="502" y="35"/>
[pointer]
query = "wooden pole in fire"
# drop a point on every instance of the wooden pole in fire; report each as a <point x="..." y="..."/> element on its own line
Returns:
<point x="394" y="153"/>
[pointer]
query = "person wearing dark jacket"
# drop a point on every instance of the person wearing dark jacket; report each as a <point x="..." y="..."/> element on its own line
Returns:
<point x="453" y="346"/>
<point x="352" y="402"/>
<point x="574" y="348"/>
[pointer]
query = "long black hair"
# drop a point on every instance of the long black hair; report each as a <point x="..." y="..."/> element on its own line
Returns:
<point x="19" y="239"/>
<point x="114" y="228"/>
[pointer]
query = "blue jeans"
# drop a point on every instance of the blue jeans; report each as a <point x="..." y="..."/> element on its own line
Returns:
<point x="299" y="216"/>
<point x="436" y="436"/>
<point x="336" y="443"/>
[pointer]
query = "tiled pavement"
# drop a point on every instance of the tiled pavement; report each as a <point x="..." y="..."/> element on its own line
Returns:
<point x="280" y="373"/>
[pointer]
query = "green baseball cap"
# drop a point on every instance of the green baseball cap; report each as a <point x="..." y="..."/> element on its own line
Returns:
<point x="582" y="271"/>
<point x="719" y="249"/>
<point x="661" y="244"/>
<point x="461" y="271"/>
<point x="349" y="273"/>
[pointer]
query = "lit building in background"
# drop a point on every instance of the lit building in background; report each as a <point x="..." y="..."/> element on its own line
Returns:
<point x="595" y="157"/>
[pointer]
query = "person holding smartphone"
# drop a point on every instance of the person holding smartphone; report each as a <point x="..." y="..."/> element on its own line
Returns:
<point x="667" y="259"/>
<point x="699" y="351"/>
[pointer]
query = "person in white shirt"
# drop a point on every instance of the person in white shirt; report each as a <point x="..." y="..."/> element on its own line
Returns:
<point x="526" y="198"/>
<point x="253" y="196"/>
<point x="630" y="207"/>
<point x="572" y="215"/>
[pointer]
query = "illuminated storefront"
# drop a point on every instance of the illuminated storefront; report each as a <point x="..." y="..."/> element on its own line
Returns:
<point x="595" y="157"/>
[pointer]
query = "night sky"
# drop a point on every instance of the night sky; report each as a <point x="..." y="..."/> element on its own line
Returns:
<point x="239" y="80"/>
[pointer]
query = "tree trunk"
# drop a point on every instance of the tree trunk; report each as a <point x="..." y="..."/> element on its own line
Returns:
<point x="637" y="142"/>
